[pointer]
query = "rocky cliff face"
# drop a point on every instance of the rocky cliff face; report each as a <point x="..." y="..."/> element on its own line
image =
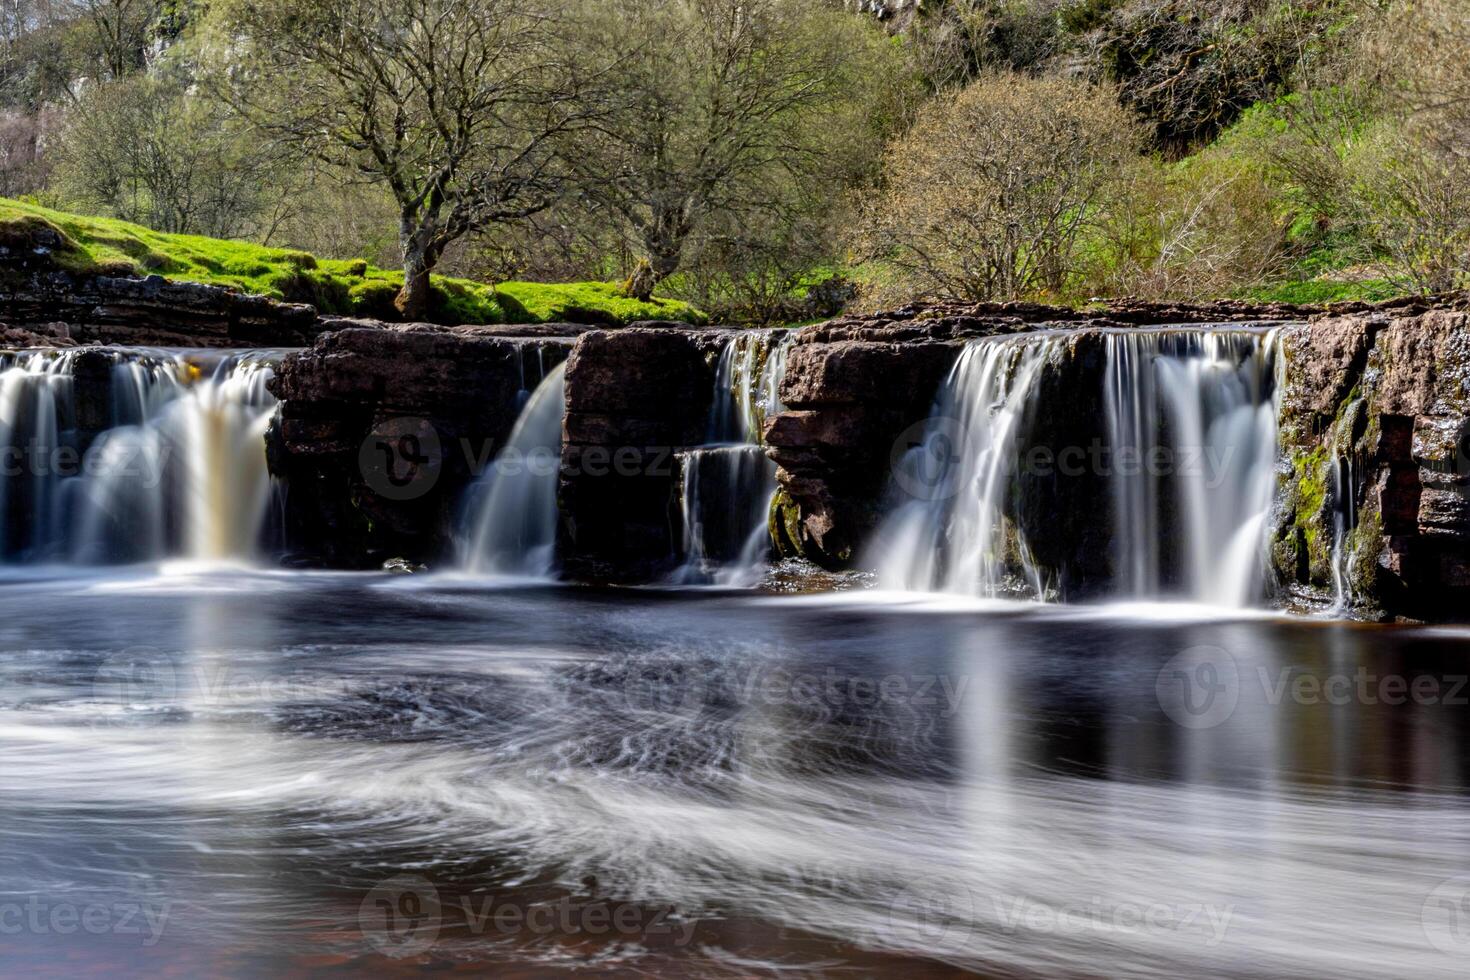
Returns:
<point x="635" y="397"/>
<point x="1374" y="483"/>
<point x="52" y="308"/>
<point x="1375" y="437"/>
<point x="859" y="389"/>
<point x="381" y="428"/>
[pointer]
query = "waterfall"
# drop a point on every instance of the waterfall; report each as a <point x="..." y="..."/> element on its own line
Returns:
<point x="177" y="469"/>
<point x="509" y="525"/>
<point x="726" y="485"/>
<point x="950" y="532"/>
<point x="36" y="408"/>
<point x="1191" y="422"/>
<point x="1188" y="465"/>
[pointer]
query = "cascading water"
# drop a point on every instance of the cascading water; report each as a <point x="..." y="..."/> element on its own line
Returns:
<point x="36" y="408"/>
<point x="177" y="469"/>
<point x="1191" y="419"/>
<point x="1190" y="456"/>
<point x="509" y="526"/>
<point x="950" y="533"/>
<point x="726" y="486"/>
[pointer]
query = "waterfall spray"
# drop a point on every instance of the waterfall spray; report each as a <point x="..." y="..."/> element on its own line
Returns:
<point x="510" y="522"/>
<point x="950" y="533"/>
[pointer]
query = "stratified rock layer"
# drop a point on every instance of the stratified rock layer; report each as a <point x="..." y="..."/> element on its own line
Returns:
<point x="59" y="309"/>
<point x="381" y="428"/>
<point x="636" y="396"/>
<point x="1375" y="436"/>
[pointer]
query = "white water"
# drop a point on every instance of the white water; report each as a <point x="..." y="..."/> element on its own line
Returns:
<point x="1189" y="461"/>
<point x="1191" y="418"/>
<point x="510" y="523"/>
<point x="725" y="537"/>
<point x="180" y="472"/>
<point x="727" y="485"/>
<point x="948" y="535"/>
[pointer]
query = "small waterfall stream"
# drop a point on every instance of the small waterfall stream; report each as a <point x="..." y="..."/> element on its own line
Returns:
<point x="1188" y="468"/>
<point x="509" y="524"/>
<point x="1191" y="418"/>
<point x="177" y="469"/>
<point x="950" y="534"/>
<point x="726" y="485"/>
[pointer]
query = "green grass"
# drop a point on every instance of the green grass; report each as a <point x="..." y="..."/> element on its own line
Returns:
<point x="1315" y="291"/>
<point x="585" y="302"/>
<point x="342" y="286"/>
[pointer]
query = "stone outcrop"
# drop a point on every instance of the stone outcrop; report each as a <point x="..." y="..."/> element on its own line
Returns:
<point x="382" y="427"/>
<point x="1380" y="393"/>
<point x="60" y="309"/>
<point x="1375" y="436"/>
<point x="636" y="396"/>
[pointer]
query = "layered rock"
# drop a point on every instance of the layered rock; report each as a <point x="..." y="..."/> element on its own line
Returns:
<point x="636" y="397"/>
<point x="1375" y="436"/>
<point x="381" y="428"/>
<point x="61" y="309"/>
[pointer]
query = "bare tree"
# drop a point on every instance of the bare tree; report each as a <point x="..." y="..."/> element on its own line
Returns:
<point x="727" y="110"/>
<point x="145" y="150"/>
<point x="458" y="107"/>
<point x="119" y="32"/>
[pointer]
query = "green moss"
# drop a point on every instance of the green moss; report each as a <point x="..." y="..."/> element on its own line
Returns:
<point x="92" y="246"/>
<point x="1311" y="493"/>
<point x="586" y="302"/>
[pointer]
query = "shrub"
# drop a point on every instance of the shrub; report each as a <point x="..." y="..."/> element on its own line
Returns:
<point x="993" y="191"/>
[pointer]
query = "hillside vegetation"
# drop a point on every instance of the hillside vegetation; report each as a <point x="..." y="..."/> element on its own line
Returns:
<point x="762" y="160"/>
<point x="91" y="246"/>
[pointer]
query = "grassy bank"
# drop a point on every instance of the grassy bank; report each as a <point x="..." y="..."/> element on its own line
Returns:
<point x="344" y="286"/>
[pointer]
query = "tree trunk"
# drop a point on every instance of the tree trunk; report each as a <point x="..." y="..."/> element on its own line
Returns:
<point x="412" y="302"/>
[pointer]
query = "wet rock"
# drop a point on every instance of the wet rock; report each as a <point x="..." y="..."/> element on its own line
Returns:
<point x="636" y="397"/>
<point x="381" y="428"/>
<point x="1382" y="396"/>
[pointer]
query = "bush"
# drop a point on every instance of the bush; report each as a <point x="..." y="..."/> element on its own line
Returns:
<point x="1209" y="226"/>
<point x="993" y="192"/>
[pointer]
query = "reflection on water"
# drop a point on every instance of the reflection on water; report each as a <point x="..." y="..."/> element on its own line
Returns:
<point x="315" y="772"/>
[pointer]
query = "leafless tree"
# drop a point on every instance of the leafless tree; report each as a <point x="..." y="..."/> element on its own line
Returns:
<point x="458" y="107"/>
<point x="728" y="111"/>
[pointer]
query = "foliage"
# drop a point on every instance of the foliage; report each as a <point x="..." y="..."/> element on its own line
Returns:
<point x="456" y="106"/>
<point x="993" y="192"/>
<point x="344" y="286"/>
<point x="726" y="125"/>
<point x="142" y="149"/>
<point x="586" y="302"/>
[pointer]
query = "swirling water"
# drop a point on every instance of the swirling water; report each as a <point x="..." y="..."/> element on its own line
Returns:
<point x="276" y="773"/>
